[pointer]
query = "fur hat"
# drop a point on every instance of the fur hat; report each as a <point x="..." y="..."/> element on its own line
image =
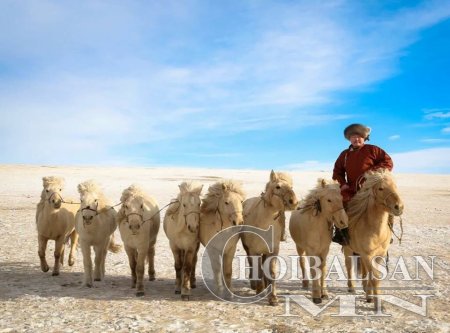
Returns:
<point x="359" y="129"/>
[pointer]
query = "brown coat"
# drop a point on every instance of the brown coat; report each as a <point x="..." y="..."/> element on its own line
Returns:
<point x="353" y="163"/>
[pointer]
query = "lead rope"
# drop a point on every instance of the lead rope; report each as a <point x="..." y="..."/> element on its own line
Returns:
<point x="401" y="231"/>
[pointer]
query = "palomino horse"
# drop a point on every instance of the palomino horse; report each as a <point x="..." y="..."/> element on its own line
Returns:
<point x="138" y="220"/>
<point x="369" y="230"/>
<point x="181" y="224"/>
<point x="95" y="223"/>
<point x="221" y="209"/>
<point x="311" y="227"/>
<point x="55" y="220"/>
<point x="264" y="212"/>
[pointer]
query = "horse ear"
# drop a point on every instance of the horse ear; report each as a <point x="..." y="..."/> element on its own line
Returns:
<point x="224" y="186"/>
<point x="322" y="182"/>
<point x="81" y="188"/>
<point x="198" y="190"/>
<point x="273" y="176"/>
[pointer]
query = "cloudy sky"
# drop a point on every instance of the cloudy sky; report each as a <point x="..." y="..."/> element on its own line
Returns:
<point x="223" y="84"/>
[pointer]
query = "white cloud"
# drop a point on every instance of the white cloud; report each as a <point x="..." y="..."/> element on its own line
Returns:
<point x="394" y="137"/>
<point x="438" y="114"/>
<point x="446" y="130"/>
<point x="106" y="76"/>
<point x="309" y="166"/>
<point x="434" y="140"/>
<point x="433" y="160"/>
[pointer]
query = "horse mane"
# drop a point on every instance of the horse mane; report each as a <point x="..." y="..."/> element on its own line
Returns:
<point x="134" y="191"/>
<point x="216" y="191"/>
<point x="185" y="187"/>
<point x="283" y="176"/>
<point x="90" y="186"/>
<point x="51" y="180"/>
<point x="359" y="203"/>
<point x="323" y="186"/>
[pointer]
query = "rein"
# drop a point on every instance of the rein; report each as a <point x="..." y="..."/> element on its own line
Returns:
<point x="391" y="226"/>
<point x="142" y="217"/>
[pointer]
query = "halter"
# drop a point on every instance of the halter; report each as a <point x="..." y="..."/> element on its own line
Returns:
<point x="220" y="216"/>
<point x="142" y="217"/>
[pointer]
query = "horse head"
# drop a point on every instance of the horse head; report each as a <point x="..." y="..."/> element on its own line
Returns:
<point x="279" y="191"/>
<point x="225" y="198"/>
<point x="386" y="193"/>
<point x="189" y="200"/>
<point x="133" y="207"/>
<point x="331" y="205"/>
<point x="91" y="199"/>
<point x="51" y="193"/>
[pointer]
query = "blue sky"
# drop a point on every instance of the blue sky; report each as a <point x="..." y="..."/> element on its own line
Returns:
<point x="223" y="84"/>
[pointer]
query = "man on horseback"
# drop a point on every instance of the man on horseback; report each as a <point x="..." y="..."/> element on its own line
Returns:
<point x="351" y="165"/>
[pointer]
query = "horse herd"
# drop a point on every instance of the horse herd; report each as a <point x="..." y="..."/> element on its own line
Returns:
<point x="191" y="220"/>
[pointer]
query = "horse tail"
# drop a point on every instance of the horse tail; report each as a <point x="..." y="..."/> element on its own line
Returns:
<point x="112" y="246"/>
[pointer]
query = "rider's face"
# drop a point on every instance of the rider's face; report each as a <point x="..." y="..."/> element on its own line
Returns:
<point x="357" y="140"/>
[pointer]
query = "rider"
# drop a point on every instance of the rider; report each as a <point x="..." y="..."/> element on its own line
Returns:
<point x="351" y="165"/>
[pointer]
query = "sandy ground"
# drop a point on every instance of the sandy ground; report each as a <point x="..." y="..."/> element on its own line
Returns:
<point x="33" y="301"/>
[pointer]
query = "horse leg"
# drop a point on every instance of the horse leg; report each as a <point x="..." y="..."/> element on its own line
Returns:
<point x="349" y="267"/>
<point x="323" y="282"/>
<point x="216" y="266"/>
<point x="305" y="281"/>
<point x="73" y="247"/>
<point x="367" y="279"/>
<point x="98" y="263"/>
<point x="194" y="264"/>
<point x="187" y="270"/>
<point x="59" y="245"/>
<point x="315" y="272"/>
<point x="273" y="298"/>
<point x="228" y="266"/>
<point x="87" y="263"/>
<point x="151" y="262"/>
<point x="251" y="266"/>
<point x="61" y="258"/>
<point x="42" y="246"/>
<point x="140" y="269"/>
<point x="259" y="283"/>
<point x="178" y="256"/>
<point x="376" y="275"/>
<point x="131" y="253"/>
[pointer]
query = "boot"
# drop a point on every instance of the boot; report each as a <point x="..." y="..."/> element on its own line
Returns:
<point x="341" y="236"/>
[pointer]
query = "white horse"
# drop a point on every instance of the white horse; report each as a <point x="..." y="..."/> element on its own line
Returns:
<point x="265" y="212"/>
<point x="138" y="220"/>
<point x="55" y="220"/>
<point x="95" y="223"/>
<point x="311" y="228"/>
<point x="221" y="209"/>
<point x="181" y="224"/>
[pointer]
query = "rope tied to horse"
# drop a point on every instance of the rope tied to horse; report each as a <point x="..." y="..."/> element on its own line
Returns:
<point x="391" y="227"/>
<point x="143" y="221"/>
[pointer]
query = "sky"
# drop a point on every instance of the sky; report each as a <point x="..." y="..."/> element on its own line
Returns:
<point x="240" y="84"/>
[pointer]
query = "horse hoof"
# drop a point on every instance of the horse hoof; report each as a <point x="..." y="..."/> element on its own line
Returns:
<point x="71" y="261"/>
<point x="369" y="300"/>
<point x="151" y="278"/>
<point x="351" y="290"/>
<point x="45" y="269"/>
<point x="317" y="300"/>
<point x="97" y="279"/>
<point x="55" y="273"/>
<point x="185" y="297"/>
<point x="177" y="292"/>
<point x="139" y="294"/>
<point x="325" y="296"/>
<point x="88" y="285"/>
<point x="193" y="286"/>
<point x="305" y="285"/>
<point x="273" y="301"/>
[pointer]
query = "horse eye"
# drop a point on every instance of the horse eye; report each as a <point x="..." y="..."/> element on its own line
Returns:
<point x="125" y="206"/>
<point x="47" y="191"/>
<point x="226" y="202"/>
<point x="381" y="189"/>
<point x="142" y="206"/>
<point x="60" y="189"/>
<point x="184" y="205"/>
<point x="96" y="200"/>
<point x="278" y="187"/>
<point x="329" y="200"/>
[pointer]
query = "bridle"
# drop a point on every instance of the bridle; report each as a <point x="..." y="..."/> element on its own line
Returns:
<point x="220" y="216"/>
